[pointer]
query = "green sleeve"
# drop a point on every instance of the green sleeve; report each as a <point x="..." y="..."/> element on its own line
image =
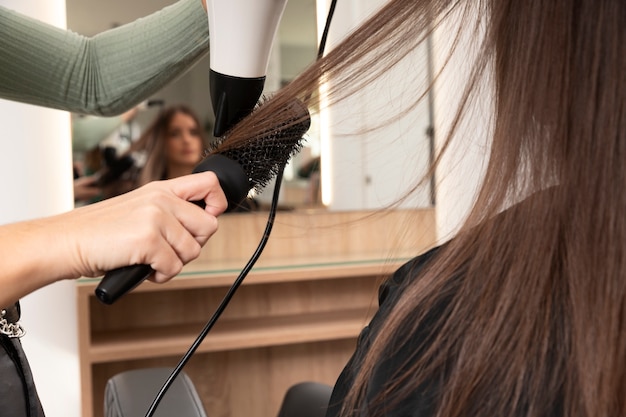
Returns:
<point x="103" y="75"/>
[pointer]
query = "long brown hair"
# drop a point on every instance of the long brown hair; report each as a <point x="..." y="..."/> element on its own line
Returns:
<point x="535" y="295"/>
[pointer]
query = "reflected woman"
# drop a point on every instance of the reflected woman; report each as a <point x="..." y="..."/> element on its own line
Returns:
<point x="171" y="146"/>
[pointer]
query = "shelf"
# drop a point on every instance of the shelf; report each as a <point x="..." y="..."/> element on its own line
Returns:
<point x="222" y="274"/>
<point x="227" y="335"/>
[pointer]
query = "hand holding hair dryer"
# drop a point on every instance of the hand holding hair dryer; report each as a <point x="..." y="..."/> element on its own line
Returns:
<point x="241" y="35"/>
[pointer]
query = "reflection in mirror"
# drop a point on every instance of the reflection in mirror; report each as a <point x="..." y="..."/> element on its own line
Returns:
<point x="332" y="171"/>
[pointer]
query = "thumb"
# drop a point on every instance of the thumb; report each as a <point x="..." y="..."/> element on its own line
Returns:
<point x="203" y="186"/>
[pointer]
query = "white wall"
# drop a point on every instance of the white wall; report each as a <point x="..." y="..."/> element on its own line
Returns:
<point x="462" y="167"/>
<point x="36" y="181"/>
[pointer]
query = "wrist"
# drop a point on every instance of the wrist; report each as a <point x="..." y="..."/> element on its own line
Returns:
<point x="34" y="255"/>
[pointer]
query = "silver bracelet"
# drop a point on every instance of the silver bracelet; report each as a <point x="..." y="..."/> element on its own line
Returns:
<point x="10" y="329"/>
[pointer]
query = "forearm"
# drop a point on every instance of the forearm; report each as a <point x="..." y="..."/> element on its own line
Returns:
<point x="106" y="74"/>
<point x="34" y="254"/>
<point x="153" y="225"/>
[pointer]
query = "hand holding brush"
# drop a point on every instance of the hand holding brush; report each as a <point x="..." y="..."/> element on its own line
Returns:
<point x="250" y="164"/>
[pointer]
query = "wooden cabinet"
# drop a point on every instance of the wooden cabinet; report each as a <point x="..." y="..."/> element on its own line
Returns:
<point x="295" y="318"/>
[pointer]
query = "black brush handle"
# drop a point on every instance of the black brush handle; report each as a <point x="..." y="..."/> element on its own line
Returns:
<point x="234" y="183"/>
<point x="120" y="281"/>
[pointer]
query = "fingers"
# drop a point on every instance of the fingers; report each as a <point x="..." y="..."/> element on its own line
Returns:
<point x="200" y="223"/>
<point x="154" y="225"/>
<point x="180" y="245"/>
<point x="202" y="186"/>
<point x="190" y="227"/>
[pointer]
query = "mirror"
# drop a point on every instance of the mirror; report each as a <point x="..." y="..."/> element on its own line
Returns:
<point x="356" y="173"/>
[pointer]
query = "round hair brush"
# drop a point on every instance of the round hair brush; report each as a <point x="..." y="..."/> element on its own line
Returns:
<point x="240" y="167"/>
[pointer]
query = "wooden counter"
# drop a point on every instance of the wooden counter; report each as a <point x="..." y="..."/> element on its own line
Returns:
<point x="295" y="317"/>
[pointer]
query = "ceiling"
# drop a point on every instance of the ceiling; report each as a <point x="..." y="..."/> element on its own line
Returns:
<point x="89" y="17"/>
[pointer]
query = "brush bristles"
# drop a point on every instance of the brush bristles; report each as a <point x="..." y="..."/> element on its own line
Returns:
<point x="263" y="156"/>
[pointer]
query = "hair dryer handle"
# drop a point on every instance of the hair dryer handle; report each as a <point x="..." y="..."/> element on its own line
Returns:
<point x="118" y="282"/>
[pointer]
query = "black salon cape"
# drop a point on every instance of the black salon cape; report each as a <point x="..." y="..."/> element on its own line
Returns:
<point x="419" y="404"/>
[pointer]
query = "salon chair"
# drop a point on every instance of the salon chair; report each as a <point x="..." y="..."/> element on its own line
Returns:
<point x="306" y="399"/>
<point x="130" y="394"/>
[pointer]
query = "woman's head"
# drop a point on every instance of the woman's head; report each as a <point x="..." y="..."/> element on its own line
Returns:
<point x="174" y="144"/>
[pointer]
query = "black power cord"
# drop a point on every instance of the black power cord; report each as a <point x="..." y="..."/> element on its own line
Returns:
<point x="244" y="272"/>
<point x="329" y="19"/>
<point x="229" y="295"/>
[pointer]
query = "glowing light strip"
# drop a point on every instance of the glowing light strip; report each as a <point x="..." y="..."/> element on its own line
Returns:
<point x="324" y="116"/>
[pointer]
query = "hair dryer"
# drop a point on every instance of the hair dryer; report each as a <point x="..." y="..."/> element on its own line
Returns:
<point x="241" y="35"/>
